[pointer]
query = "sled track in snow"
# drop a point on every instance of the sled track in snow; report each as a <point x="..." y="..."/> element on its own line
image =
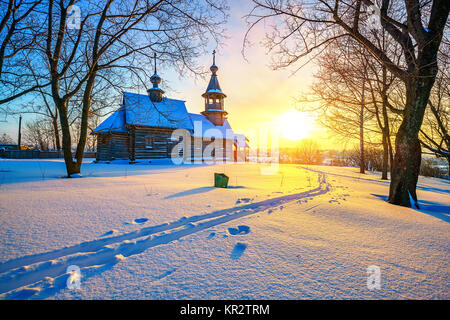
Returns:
<point x="43" y="274"/>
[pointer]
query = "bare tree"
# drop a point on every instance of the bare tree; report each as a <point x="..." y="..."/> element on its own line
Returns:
<point x="19" y="27"/>
<point x="417" y="27"/>
<point x="113" y="41"/>
<point x="340" y="87"/>
<point x="39" y="133"/>
<point x="6" y="139"/>
<point x="308" y="152"/>
<point x="434" y="134"/>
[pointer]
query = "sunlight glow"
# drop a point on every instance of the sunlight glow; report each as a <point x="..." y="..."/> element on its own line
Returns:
<point x="295" y="125"/>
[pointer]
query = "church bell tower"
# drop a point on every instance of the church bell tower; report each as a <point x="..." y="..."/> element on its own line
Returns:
<point x="214" y="98"/>
<point x="155" y="93"/>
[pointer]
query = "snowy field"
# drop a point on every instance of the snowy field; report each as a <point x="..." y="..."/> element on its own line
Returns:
<point x="159" y="231"/>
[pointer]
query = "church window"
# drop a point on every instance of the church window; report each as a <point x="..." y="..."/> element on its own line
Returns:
<point x="149" y="142"/>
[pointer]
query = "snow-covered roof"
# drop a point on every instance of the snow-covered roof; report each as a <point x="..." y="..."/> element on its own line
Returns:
<point x="114" y="123"/>
<point x="213" y="86"/>
<point x="169" y="113"/>
<point x="139" y="110"/>
<point x="206" y="125"/>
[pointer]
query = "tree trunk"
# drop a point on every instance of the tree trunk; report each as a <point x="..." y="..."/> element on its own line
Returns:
<point x="71" y="166"/>
<point x="448" y="167"/>
<point x="362" y="161"/>
<point x="406" y="168"/>
<point x="56" y="133"/>
<point x="384" y="170"/>
<point x="408" y="154"/>
<point x="387" y="148"/>
<point x="87" y="96"/>
<point x="391" y="156"/>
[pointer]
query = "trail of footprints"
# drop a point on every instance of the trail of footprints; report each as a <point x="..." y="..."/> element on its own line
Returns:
<point x="42" y="275"/>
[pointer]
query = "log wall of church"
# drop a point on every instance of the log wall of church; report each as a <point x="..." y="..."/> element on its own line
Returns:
<point x="161" y="144"/>
<point x="112" y="146"/>
<point x="135" y="145"/>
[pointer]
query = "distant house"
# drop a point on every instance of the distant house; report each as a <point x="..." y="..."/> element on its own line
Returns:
<point x="143" y="127"/>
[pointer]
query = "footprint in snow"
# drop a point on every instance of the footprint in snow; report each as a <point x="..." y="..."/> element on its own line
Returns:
<point x="211" y="235"/>
<point x="240" y="230"/>
<point x="165" y="274"/>
<point x="238" y="250"/>
<point x="137" y="221"/>
<point x="110" y="233"/>
<point x="243" y="200"/>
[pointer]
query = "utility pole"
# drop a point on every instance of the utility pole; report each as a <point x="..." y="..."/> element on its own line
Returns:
<point x="19" y="138"/>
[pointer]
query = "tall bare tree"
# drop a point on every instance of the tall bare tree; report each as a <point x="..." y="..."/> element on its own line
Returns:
<point x="343" y="88"/>
<point x="416" y="26"/>
<point x="112" y="40"/>
<point x="434" y="134"/>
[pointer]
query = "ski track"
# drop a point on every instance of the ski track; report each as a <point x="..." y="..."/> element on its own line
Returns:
<point x="41" y="275"/>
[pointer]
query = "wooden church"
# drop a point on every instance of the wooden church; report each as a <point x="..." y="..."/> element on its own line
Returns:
<point x="144" y="127"/>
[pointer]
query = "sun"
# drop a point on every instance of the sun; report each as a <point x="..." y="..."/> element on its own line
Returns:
<point x="295" y="125"/>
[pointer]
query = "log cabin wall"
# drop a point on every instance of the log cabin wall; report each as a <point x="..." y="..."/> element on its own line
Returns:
<point x="112" y="146"/>
<point x="119" y="146"/>
<point x="152" y="143"/>
<point x="225" y="146"/>
<point x="103" y="143"/>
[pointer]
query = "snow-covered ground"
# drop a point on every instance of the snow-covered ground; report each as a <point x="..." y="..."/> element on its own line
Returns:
<point x="160" y="231"/>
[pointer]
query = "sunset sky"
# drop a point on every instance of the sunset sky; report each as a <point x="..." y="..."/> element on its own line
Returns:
<point x="257" y="96"/>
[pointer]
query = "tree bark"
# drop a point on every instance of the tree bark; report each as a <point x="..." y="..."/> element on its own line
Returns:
<point x="362" y="163"/>
<point x="87" y="99"/>
<point x="71" y="166"/>
<point x="408" y="153"/>
<point x="56" y="133"/>
<point x="387" y="148"/>
<point x="448" y="167"/>
<point x="384" y="169"/>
